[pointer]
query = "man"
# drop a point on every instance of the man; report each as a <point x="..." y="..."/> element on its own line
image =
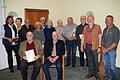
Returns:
<point x="91" y="41"/>
<point x="27" y="45"/>
<point x="79" y="31"/>
<point x="110" y="39"/>
<point x="43" y="22"/>
<point x="69" y="34"/>
<point x="25" y="28"/>
<point x="53" y="54"/>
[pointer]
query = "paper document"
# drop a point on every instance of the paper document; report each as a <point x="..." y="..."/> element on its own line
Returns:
<point x="30" y="55"/>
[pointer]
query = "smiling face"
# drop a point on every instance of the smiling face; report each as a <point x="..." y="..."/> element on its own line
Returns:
<point x="70" y="20"/>
<point x="109" y="21"/>
<point x="29" y="36"/>
<point x="54" y="36"/>
<point x="49" y="23"/>
<point x="90" y="20"/>
<point x="83" y="19"/>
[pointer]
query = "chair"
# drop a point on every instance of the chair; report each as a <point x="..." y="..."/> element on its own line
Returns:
<point x="101" y="66"/>
<point x="42" y="76"/>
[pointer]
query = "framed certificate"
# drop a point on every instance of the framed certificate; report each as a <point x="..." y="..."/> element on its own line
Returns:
<point x="30" y="55"/>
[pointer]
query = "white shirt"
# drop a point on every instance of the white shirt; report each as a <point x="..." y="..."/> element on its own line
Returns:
<point x="13" y="33"/>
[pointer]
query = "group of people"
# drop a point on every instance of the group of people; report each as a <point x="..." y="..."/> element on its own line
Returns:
<point x="51" y="42"/>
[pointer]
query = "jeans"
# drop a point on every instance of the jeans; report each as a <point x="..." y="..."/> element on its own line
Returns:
<point x="81" y="54"/>
<point x="109" y="60"/>
<point x="92" y="60"/>
<point x="71" y="45"/>
<point x="46" y="66"/>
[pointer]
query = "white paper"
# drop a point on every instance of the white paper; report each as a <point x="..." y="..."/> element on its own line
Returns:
<point x="30" y="55"/>
<point x="80" y="36"/>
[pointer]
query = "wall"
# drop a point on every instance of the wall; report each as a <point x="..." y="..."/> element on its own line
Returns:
<point x="61" y="9"/>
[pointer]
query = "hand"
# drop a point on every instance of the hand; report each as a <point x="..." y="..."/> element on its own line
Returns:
<point x="14" y="39"/>
<point x="104" y="50"/>
<point x="98" y="50"/>
<point x="37" y="57"/>
<point x="9" y="39"/>
<point x="25" y="58"/>
<point x="54" y="59"/>
<point x="82" y="50"/>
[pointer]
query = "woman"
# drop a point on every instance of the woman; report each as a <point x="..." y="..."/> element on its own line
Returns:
<point x="39" y="33"/>
<point x="9" y="41"/>
<point x="48" y="31"/>
<point x="59" y="29"/>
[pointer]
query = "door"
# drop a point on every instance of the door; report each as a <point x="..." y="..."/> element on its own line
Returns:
<point x="34" y="14"/>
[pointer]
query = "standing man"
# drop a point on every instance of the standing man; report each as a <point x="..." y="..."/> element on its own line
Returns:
<point x="91" y="41"/>
<point x="110" y="39"/>
<point x="25" y="28"/>
<point x="69" y="34"/>
<point x="43" y="22"/>
<point x="79" y="31"/>
<point x="53" y="55"/>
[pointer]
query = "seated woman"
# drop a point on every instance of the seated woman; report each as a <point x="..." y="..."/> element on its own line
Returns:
<point x="53" y="54"/>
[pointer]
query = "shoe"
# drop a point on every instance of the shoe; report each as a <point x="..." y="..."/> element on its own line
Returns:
<point x="97" y="77"/>
<point x="11" y="70"/>
<point x="89" y="76"/>
<point x="81" y="68"/>
<point x="73" y="65"/>
<point x="18" y="68"/>
<point x="67" y="65"/>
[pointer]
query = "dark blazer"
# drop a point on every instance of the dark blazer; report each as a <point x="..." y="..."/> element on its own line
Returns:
<point x="22" y="32"/>
<point x="8" y="34"/>
<point x="60" y="49"/>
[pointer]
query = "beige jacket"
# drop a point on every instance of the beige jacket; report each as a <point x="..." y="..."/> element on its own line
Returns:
<point x="38" y="46"/>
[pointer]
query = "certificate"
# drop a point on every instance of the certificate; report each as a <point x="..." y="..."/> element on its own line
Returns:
<point x="30" y="55"/>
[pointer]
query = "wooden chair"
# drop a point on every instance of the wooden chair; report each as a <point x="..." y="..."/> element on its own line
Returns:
<point x="42" y="76"/>
<point x="101" y="66"/>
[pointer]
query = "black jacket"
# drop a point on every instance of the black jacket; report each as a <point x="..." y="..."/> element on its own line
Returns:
<point x="60" y="48"/>
<point x="8" y="34"/>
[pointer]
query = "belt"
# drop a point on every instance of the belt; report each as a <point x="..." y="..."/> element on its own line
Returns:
<point x="89" y="44"/>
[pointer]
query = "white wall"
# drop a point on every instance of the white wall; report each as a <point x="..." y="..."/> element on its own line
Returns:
<point x="3" y="54"/>
<point x="61" y="9"/>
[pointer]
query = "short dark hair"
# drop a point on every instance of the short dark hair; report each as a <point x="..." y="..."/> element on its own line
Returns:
<point x="19" y="19"/>
<point x="110" y="16"/>
<point x="8" y="17"/>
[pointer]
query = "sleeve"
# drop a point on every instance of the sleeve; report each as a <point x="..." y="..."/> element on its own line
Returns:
<point x="116" y="36"/>
<point x="99" y="31"/>
<point x="21" y="52"/>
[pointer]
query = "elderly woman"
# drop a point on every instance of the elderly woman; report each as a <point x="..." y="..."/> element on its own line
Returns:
<point x="38" y="32"/>
<point x="59" y="29"/>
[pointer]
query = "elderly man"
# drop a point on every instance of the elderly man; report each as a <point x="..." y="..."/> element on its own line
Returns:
<point x="79" y="31"/>
<point x="91" y="41"/>
<point x="53" y="54"/>
<point x="28" y="45"/>
<point x="69" y="34"/>
<point x="43" y="22"/>
<point x="25" y="28"/>
<point x="110" y="39"/>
